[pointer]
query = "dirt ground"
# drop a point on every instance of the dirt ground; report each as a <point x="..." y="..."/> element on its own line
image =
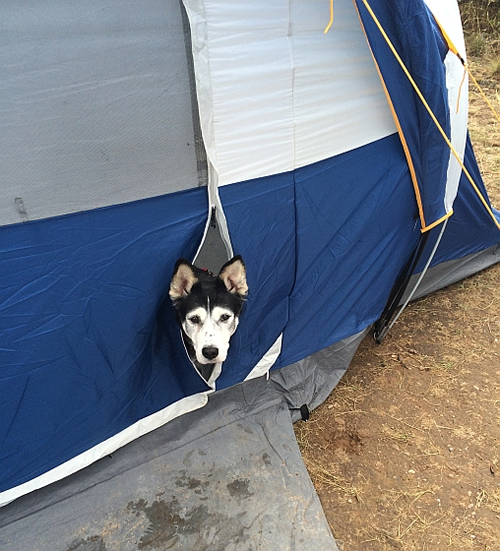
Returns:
<point x="405" y="453"/>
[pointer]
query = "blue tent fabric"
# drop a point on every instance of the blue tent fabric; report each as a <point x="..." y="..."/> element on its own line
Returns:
<point x="416" y="38"/>
<point x="471" y="229"/>
<point x="258" y="233"/>
<point x="356" y="225"/>
<point x="79" y="297"/>
<point x="89" y="343"/>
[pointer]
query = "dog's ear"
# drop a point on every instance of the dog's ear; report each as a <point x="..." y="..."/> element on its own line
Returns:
<point x="233" y="274"/>
<point x="183" y="279"/>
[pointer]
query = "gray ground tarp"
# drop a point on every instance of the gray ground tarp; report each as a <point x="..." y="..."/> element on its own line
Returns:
<point x="227" y="477"/>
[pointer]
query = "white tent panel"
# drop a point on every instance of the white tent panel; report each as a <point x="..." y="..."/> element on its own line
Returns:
<point x="448" y="15"/>
<point x="243" y="74"/>
<point x="271" y="67"/>
<point x="338" y="101"/>
<point x="457" y="95"/>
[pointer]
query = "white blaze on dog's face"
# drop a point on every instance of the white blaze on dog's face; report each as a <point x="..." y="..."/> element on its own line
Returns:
<point x="210" y="331"/>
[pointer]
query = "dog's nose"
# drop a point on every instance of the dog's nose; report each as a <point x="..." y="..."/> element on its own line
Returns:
<point x="210" y="352"/>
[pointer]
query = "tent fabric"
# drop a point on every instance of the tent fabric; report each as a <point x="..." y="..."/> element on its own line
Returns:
<point x="105" y="350"/>
<point x="470" y="230"/>
<point x="275" y="93"/>
<point x="86" y="95"/>
<point x="417" y="40"/>
<point x="320" y="204"/>
<point x="310" y="381"/>
<point x="76" y="364"/>
<point x="366" y="237"/>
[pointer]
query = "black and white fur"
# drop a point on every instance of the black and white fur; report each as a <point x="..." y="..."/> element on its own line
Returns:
<point x="208" y="309"/>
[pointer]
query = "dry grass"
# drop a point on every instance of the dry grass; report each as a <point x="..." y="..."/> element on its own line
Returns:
<point x="405" y="453"/>
<point x="483" y="125"/>
<point x="482" y="23"/>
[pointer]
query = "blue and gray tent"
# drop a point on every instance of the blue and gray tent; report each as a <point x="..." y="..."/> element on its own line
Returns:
<point x="337" y="164"/>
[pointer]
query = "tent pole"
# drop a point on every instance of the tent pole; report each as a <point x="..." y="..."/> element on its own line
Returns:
<point x="400" y="285"/>
<point x="380" y="336"/>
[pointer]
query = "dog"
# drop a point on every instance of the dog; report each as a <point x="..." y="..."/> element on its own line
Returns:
<point x="208" y="309"/>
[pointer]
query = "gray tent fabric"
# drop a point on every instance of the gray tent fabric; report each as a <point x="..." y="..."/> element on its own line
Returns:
<point x="87" y="94"/>
<point x="227" y="477"/>
<point x="450" y="272"/>
<point x="311" y="380"/>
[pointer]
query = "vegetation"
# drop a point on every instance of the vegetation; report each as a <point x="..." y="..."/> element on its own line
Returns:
<point x="481" y="20"/>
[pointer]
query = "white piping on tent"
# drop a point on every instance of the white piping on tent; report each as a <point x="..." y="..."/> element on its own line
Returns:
<point x="458" y="122"/>
<point x="267" y="361"/>
<point x="215" y="209"/>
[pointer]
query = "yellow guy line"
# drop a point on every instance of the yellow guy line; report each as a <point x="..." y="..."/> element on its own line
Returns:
<point x="404" y="144"/>
<point x="490" y="105"/>
<point x="331" y="18"/>
<point x="429" y="110"/>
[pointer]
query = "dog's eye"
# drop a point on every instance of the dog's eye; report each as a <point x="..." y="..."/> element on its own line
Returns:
<point x="195" y="320"/>
<point x="225" y="317"/>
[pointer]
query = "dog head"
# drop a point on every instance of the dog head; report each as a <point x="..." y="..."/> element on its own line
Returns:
<point x="208" y="307"/>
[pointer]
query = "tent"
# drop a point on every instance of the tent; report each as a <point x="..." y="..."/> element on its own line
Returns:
<point x="336" y="163"/>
